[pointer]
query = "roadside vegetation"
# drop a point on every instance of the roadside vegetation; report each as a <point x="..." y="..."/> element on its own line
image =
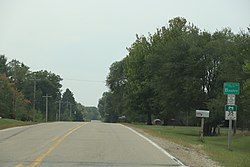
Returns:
<point x="215" y="147"/>
<point x="22" y="94"/>
<point x="8" y="123"/>
<point x="176" y="70"/>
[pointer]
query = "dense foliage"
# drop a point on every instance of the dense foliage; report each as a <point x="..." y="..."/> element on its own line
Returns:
<point x="176" y="70"/>
<point x="22" y="91"/>
<point x="92" y="113"/>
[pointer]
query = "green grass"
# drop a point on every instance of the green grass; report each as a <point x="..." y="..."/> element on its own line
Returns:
<point x="8" y="123"/>
<point x="215" y="147"/>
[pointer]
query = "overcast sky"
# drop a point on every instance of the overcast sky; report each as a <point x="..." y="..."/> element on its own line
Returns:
<point x="80" y="39"/>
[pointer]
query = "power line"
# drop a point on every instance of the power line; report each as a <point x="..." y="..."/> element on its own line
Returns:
<point x="83" y="80"/>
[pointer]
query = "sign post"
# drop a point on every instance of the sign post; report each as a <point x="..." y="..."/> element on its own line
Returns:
<point x="202" y="114"/>
<point x="231" y="89"/>
<point x="229" y="141"/>
<point x="202" y="127"/>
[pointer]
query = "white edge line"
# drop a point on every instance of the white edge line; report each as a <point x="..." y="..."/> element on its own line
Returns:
<point x="22" y="126"/>
<point x="17" y="127"/>
<point x="156" y="145"/>
<point x="26" y="126"/>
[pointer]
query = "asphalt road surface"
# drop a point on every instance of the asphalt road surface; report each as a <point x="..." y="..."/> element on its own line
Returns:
<point x="66" y="144"/>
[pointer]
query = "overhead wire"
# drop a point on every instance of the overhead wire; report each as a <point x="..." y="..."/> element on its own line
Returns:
<point x="83" y="80"/>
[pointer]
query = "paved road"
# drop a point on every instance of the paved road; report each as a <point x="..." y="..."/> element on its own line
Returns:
<point x="66" y="144"/>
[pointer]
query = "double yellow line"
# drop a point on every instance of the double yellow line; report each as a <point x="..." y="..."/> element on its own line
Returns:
<point x="57" y="141"/>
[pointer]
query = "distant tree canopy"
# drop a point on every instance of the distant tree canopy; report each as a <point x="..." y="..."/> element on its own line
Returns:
<point x="22" y="91"/>
<point x="175" y="71"/>
<point x="92" y="113"/>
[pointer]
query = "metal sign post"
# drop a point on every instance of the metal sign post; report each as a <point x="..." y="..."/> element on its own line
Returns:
<point x="230" y="114"/>
<point x="229" y="141"/>
<point x="231" y="89"/>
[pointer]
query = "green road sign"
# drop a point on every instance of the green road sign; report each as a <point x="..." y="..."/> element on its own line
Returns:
<point x="230" y="108"/>
<point x="231" y="88"/>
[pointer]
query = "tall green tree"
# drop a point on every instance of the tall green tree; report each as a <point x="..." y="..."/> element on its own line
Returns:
<point x="175" y="71"/>
<point x="107" y="109"/>
<point x="3" y="65"/>
<point x="69" y="105"/>
<point x="18" y="73"/>
<point x="12" y="102"/>
<point x="47" y="83"/>
<point x="116" y="82"/>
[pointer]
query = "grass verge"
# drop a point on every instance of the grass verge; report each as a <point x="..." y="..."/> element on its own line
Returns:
<point x="215" y="147"/>
<point x="8" y="123"/>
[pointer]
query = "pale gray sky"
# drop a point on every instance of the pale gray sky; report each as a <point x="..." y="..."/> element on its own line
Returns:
<point x="80" y="39"/>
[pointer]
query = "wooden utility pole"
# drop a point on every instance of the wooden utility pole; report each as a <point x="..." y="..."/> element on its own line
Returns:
<point x="47" y="98"/>
<point x="59" y="109"/>
<point x="34" y="92"/>
<point x="69" y="106"/>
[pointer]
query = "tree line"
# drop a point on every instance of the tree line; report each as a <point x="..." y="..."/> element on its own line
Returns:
<point x="22" y="94"/>
<point x="176" y="70"/>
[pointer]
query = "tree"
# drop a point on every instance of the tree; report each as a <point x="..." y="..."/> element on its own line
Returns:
<point x="18" y="73"/>
<point x="92" y="113"/>
<point x="116" y="81"/>
<point x="22" y="88"/>
<point x="46" y="83"/>
<point x="69" y="105"/>
<point x="175" y="71"/>
<point x="3" y="65"/>
<point x="12" y="102"/>
<point x="139" y="86"/>
<point x="107" y="109"/>
<point x="81" y="113"/>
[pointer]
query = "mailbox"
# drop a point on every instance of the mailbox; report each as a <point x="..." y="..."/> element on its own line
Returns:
<point x="202" y="113"/>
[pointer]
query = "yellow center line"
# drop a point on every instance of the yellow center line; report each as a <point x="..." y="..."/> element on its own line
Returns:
<point x="40" y="158"/>
<point x="55" y="138"/>
<point x="19" y="165"/>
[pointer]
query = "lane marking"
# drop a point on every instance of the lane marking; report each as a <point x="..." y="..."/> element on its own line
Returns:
<point x="24" y="126"/>
<point x="55" y="138"/>
<point x="156" y="145"/>
<point x="58" y="141"/>
<point x="19" y="165"/>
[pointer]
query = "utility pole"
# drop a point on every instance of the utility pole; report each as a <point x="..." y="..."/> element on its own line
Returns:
<point x="34" y="92"/>
<point x="47" y="98"/>
<point x="70" y="107"/>
<point x="14" y="95"/>
<point x="34" y="95"/>
<point x="1" y="86"/>
<point x="59" y="109"/>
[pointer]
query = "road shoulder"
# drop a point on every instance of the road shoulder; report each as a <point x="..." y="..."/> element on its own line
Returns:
<point x="189" y="156"/>
<point x="11" y="123"/>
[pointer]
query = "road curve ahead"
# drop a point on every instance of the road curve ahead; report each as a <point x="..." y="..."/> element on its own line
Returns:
<point x="68" y="144"/>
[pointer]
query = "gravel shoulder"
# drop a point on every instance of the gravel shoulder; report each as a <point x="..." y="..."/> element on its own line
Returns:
<point x="194" y="157"/>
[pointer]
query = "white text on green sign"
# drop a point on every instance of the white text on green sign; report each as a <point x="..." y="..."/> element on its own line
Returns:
<point x="231" y="88"/>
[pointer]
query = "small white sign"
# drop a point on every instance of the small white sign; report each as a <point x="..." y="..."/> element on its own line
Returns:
<point x="202" y="113"/>
<point x="230" y="114"/>
<point x="231" y="99"/>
